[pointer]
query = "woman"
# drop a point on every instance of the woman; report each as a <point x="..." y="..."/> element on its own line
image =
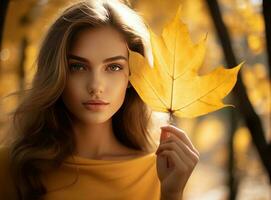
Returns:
<point x="82" y="130"/>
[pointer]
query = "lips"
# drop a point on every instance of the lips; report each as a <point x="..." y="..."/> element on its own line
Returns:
<point x="95" y="102"/>
<point x="95" y="105"/>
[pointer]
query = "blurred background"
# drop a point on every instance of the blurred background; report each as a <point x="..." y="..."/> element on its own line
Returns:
<point x="235" y="143"/>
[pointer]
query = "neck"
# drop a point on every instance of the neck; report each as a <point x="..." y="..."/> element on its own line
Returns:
<point x="95" y="140"/>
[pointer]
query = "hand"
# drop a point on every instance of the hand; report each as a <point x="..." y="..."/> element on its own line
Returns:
<point x="182" y="157"/>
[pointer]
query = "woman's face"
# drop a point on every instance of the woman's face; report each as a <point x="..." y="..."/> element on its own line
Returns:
<point x="98" y="70"/>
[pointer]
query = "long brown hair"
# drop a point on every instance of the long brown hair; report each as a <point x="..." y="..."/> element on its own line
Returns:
<point x="41" y="123"/>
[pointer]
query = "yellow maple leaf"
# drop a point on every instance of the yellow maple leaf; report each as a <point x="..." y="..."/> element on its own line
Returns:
<point x="173" y="85"/>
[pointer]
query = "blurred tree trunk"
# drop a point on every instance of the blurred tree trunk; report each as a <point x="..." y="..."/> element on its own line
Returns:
<point x="244" y="106"/>
<point x="267" y="20"/>
<point x="232" y="181"/>
<point x="3" y="11"/>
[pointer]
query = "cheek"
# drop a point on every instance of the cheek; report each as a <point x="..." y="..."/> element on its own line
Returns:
<point x="117" y="88"/>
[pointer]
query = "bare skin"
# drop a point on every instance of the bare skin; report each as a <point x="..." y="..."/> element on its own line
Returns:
<point x="108" y="148"/>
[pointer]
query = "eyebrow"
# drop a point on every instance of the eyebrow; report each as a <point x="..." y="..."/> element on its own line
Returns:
<point x="119" y="57"/>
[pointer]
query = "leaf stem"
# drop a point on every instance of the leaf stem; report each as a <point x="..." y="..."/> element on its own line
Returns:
<point x="170" y="121"/>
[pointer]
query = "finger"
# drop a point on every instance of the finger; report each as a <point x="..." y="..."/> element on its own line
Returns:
<point x="177" y="161"/>
<point x="164" y="135"/>
<point x="181" y="134"/>
<point x="187" y="159"/>
<point x="186" y="149"/>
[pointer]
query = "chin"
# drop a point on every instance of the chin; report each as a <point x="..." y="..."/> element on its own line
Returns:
<point x="95" y="119"/>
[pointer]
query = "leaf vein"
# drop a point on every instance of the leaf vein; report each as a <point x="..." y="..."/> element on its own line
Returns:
<point x="201" y="96"/>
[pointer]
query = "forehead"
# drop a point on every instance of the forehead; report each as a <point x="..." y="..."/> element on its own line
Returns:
<point x="99" y="43"/>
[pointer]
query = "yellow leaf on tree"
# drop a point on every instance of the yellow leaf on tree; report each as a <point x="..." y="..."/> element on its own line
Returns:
<point x="173" y="85"/>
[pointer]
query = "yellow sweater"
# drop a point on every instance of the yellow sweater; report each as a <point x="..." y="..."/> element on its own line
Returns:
<point x="86" y="179"/>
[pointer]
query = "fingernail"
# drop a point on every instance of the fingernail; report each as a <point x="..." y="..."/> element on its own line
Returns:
<point x="162" y="127"/>
<point x="164" y="135"/>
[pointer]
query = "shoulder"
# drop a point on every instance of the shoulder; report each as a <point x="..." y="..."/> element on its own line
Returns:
<point x="7" y="189"/>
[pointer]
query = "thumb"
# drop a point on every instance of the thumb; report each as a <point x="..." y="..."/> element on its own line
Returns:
<point x="164" y="135"/>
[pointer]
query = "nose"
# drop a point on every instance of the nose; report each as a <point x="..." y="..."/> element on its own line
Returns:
<point x="95" y="83"/>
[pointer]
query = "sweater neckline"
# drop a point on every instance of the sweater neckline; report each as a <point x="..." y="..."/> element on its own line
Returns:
<point x="75" y="159"/>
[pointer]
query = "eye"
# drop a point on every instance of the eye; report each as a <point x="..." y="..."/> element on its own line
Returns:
<point x="115" y="67"/>
<point x="77" y="67"/>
